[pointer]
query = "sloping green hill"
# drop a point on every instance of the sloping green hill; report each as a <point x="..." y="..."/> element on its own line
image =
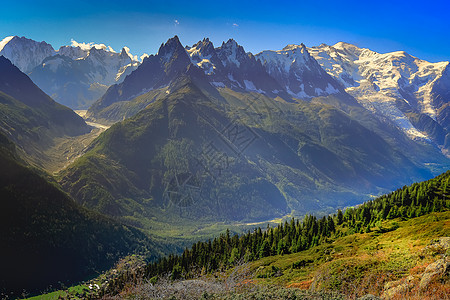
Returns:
<point x="47" y="239"/>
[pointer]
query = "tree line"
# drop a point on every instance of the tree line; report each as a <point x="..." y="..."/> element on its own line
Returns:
<point x="293" y="236"/>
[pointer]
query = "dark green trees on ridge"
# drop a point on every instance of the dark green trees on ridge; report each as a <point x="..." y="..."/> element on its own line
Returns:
<point x="295" y="235"/>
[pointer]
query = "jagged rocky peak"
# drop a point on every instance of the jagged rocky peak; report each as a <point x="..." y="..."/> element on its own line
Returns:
<point x="171" y="47"/>
<point x="95" y="51"/>
<point x="204" y="55"/>
<point x="231" y="53"/>
<point x="301" y="54"/>
<point x="202" y="48"/>
<point x="298" y="72"/>
<point x="125" y="52"/>
<point x="24" y="41"/>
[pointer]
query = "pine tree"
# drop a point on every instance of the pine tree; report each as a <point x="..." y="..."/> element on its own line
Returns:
<point x="340" y="217"/>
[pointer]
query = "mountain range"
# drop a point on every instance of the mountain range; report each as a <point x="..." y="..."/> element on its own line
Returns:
<point x="75" y="75"/>
<point x="200" y="135"/>
<point x="406" y="90"/>
<point x="310" y="106"/>
<point x="411" y="92"/>
<point x="185" y="109"/>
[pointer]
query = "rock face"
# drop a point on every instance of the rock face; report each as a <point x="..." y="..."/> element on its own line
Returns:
<point x="434" y="271"/>
<point x="312" y="145"/>
<point x="155" y="71"/>
<point x="398" y="287"/>
<point x="226" y="66"/>
<point x="25" y="53"/>
<point x="298" y="72"/>
<point x="271" y="73"/>
<point x="230" y="66"/>
<point x="437" y="269"/>
<point x="409" y="92"/>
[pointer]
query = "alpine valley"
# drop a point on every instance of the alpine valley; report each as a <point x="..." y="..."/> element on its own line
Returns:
<point x="173" y="148"/>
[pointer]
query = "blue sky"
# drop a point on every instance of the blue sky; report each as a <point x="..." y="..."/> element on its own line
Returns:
<point x="421" y="28"/>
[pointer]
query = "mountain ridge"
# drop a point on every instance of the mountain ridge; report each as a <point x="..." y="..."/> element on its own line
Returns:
<point x="31" y="118"/>
<point x="424" y="91"/>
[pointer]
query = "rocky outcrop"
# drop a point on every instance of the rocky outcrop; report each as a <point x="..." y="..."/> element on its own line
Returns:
<point x="439" y="269"/>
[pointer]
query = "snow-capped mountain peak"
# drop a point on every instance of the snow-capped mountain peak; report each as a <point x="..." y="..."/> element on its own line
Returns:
<point x="346" y="46"/>
<point x="5" y="41"/>
<point x="204" y="56"/>
<point x="292" y="47"/>
<point x="25" y="53"/>
<point x="379" y="80"/>
<point x="72" y="52"/>
<point x="230" y="66"/>
<point x="295" y="69"/>
<point x="74" y="75"/>
<point x="89" y="46"/>
<point x="126" y="53"/>
<point x="201" y="48"/>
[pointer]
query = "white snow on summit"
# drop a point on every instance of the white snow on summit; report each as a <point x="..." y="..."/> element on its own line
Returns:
<point x="284" y="59"/>
<point x="396" y="75"/>
<point x="89" y="67"/>
<point x="378" y="80"/>
<point x="201" y="60"/>
<point x="5" y="41"/>
<point x="298" y="72"/>
<point x="88" y="46"/>
<point x="25" y="53"/>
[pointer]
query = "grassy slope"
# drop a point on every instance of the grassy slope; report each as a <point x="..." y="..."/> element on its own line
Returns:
<point x="360" y="263"/>
<point x="342" y="268"/>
